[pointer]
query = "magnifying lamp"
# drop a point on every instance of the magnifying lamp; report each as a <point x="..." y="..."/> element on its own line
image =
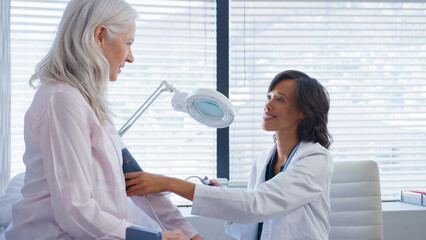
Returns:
<point x="206" y="106"/>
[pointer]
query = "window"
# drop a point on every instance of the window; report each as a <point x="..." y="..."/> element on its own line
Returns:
<point x="371" y="57"/>
<point x="175" y="41"/>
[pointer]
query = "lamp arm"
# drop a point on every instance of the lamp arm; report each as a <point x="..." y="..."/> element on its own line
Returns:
<point x="164" y="86"/>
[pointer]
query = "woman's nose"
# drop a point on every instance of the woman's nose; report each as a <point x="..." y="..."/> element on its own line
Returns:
<point x="267" y="106"/>
<point x="130" y="57"/>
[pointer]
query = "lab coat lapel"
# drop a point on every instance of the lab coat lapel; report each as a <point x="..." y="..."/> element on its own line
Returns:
<point x="262" y="166"/>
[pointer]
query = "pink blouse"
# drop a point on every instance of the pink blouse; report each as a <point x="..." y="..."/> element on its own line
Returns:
<point x="74" y="185"/>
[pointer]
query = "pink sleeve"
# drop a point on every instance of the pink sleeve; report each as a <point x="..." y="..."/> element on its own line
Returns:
<point x="167" y="212"/>
<point x="66" y="151"/>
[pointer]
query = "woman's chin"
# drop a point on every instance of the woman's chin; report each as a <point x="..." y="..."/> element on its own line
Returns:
<point x="266" y="127"/>
<point x="112" y="78"/>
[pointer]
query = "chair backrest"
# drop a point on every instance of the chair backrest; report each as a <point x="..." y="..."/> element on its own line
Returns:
<point x="356" y="208"/>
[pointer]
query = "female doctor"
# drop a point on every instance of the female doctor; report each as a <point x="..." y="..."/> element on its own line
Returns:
<point x="289" y="184"/>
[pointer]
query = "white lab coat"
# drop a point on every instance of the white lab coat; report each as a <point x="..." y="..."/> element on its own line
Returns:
<point x="294" y="204"/>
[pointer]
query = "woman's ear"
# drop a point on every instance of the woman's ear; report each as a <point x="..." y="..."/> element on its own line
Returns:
<point x="302" y="115"/>
<point x="100" y="34"/>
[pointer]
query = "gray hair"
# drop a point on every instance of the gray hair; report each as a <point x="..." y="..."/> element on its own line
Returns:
<point x="76" y="59"/>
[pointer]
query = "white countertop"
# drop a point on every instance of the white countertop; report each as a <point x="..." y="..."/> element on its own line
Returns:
<point x="399" y="206"/>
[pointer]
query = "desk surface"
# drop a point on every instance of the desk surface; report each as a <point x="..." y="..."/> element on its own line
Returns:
<point x="399" y="206"/>
<point x="403" y="221"/>
<point x="386" y="207"/>
<point x="399" y="221"/>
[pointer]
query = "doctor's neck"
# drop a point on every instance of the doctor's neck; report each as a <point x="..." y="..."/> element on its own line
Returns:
<point x="286" y="142"/>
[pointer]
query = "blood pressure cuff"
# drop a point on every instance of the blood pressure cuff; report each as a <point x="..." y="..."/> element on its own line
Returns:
<point x="135" y="233"/>
<point x="129" y="163"/>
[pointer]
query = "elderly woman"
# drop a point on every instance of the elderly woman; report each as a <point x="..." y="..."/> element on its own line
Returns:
<point x="74" y="185"/>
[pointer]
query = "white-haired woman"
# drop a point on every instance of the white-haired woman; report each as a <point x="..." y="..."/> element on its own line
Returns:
<point x="74" y="186"/>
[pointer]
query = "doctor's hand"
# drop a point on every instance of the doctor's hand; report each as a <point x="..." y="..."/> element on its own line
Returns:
<point x="145" y="183"/>
<point x="173" y="235"/>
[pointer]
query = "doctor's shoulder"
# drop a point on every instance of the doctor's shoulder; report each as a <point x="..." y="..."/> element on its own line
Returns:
<point x="310" y="149"/>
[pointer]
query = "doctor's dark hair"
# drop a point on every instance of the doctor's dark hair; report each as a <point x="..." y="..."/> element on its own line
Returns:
<point x="313" y="99"/>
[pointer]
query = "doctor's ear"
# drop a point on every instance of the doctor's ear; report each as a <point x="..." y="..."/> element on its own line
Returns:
<point x="100" y="34"/>
<point x="302" y="115"/>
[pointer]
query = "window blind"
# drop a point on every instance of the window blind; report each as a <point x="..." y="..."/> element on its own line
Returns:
<point x="175" y="41"/>
<point x="370" y="56"/>
<point x="4" y="95"/>
<point x="32" y="27"/>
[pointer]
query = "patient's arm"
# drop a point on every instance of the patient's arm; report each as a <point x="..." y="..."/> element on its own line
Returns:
<point x="169" y="215"/>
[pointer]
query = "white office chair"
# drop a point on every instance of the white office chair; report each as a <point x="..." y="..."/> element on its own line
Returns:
<point x="356" y="208"/>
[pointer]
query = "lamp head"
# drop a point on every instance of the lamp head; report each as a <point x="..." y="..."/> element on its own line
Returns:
<point x="206" y="106"/>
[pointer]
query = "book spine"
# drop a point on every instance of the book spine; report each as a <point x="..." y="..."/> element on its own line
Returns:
<point x="412" y="198"/>
<point x="423" y="199"/>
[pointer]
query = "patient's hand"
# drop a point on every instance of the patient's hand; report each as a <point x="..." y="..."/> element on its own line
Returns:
<point x="197" y="237"/>
<point x="213" y="181"/>
<point x="173" y="235"/>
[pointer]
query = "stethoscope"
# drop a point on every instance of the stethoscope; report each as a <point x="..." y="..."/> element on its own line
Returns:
<point x="290" y="156"/>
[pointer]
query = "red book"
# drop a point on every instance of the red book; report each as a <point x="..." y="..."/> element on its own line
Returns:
<point x="418" y="191"/>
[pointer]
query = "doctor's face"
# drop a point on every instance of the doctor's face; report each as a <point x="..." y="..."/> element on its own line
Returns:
<point x="117" y="50"/>
<point x="281" y="112"/>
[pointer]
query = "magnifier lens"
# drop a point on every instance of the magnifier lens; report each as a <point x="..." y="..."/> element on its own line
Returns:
<point x="210" y="109"/>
